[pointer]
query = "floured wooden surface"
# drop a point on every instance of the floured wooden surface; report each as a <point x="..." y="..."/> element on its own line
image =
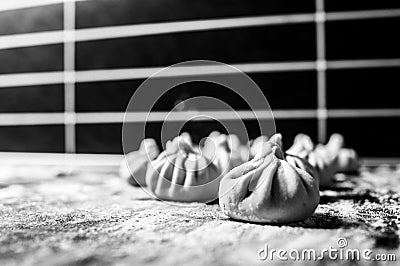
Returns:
<point x="48" y="217"/>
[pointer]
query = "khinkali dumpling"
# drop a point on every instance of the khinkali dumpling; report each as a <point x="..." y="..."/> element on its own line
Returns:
<point x="347" y="159"/>
<point x="134" y="167"/>
<point x="268" y="189"/>
<point x="237" y="147"/>
<point x="323" y="161"/>
<point x="327" y="159"/>
<point x="180" y="173"/>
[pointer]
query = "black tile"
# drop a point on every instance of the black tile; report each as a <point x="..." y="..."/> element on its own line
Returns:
<point x="275" y="43"/>
<point x="370" y="137"/>
<point x="363" y="39"/>
<point x="363" y="88"/>
<point x="289" y="90"/>
<point x="117" y="12"/>
<point x="32" y="59"/>
<point x="99" y="138"/>
<point x="32" y="138"/>
<point x="43" y="18"/>
<point x="360" y="5"/>
<point x="105" y="96"/>
<point x="46" y="98"/>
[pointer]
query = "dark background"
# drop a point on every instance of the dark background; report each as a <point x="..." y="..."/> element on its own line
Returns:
<point x="352" y="88"/>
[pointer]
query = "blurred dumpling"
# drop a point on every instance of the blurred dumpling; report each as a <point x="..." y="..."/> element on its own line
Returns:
<point x="182" y="174"/>
<point x="269" y="189"/>
<point x="323" y="161"/>
<point x="256" y="145"/>
<point x="133" y="167"/>
<point x="237" y="146"/>
<point x="347" y="159"/>
<point x="224" y="150"/>
<point x="302" y="146"/>
<point x="327" y="159"/>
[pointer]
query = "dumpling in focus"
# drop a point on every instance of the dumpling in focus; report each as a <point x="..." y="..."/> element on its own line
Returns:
<point x="269" y="189"/>
<point x="182" y="174"/>
<point x="224" y="150"/>
<point x="133" y="167"/>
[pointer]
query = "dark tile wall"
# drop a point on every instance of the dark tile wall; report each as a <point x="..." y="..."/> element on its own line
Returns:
<point x="99" y="138"/>
<point x="363" y="39"/>
<point x="31" y="59"/>
<point x="43" y="18"/>
<point x="31" y="99"/>
<point x="120" y="12"/>
<point x="357" y="88"/>
<point x="32" y="138"/>
<point x="274" y="43"/>
<point x="363" y="88"/>
<point x="286" y="90"/>
<point x="370" y="137"/>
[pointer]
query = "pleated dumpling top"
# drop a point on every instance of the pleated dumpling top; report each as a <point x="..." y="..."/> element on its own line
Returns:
<point x="181" y="173"/>
<point x="269" y="189"/>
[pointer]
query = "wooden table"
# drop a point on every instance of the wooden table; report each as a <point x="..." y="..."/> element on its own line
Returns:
<point x="51" y="215"/>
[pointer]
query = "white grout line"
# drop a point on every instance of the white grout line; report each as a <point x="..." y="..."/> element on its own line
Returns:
<point x="362" y="14"/>
<point x="217" y="115"/>
<point x="367" y="63"/>
<point x="24" y="119"/>
<point x="321" y="70"/>
<point x="112" y="32"/>
<point x="30" y="79"/>
<point x="360" y="113"/>
<point x="31" y="39"/>
<point x="45" y="78"/>
<point x="143" y="73"/>
<point x="60" y="159"/>
<point x="69" y="75"/>
<point x="38" y="78"/>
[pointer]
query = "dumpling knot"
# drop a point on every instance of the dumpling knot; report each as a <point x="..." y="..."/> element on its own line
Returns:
<point x="268" y="189"/>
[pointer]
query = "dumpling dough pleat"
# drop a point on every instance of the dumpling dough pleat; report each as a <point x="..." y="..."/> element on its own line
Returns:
<point x="133" y="168"/>
<point x="268" y="189"/>
<point x="182" y="174"/>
